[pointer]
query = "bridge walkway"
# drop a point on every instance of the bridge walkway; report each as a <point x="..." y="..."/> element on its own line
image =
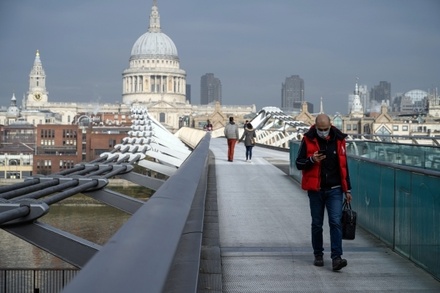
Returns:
<point x="264" y="236"/>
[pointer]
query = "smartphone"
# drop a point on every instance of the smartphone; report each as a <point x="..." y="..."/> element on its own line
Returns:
<point x="321" y="152"/>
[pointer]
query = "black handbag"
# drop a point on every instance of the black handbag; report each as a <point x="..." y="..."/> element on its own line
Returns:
<point x="348" y="222"/>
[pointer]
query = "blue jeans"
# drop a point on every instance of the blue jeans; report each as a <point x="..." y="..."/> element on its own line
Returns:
<point x="249" y="152"/>
<point x="332" y="200"/>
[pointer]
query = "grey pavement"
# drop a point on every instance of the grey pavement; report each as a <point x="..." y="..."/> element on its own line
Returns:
<point x="264" y="236"/>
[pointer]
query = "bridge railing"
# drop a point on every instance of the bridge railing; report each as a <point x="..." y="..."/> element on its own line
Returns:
<point x="158" y="248"/>
<point x="398" y="204"/>
<point x="21" y="280"/>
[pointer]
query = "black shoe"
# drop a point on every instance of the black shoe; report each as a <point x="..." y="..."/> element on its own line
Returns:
<point x="319" y="261"/>
<point x="338" y="263"/>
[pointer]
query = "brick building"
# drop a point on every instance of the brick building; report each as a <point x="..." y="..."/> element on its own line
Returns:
<point x="60" y="147"/>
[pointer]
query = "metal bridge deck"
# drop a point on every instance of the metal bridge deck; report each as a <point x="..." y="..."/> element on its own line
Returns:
<point x="264" y="236"/>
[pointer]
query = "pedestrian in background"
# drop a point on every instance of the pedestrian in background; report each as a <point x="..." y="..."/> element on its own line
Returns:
<point x="245" y="123"/>
<point x="323" y="160"/>
<point x="208" y="126"/>
<point x="232" y="135"/>
<point x="249" y="140"/>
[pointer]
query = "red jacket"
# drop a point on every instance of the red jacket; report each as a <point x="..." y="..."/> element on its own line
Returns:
<point x="311" y="175"/>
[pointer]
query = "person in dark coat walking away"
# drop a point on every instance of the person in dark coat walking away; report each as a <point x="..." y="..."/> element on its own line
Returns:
<point x="249" y="140"/>
<point x="232" y="135"/>
<point x="323" y="160"/>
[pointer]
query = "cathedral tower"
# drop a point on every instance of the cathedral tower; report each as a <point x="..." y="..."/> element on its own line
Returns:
<point x="37" y="94"/>
<point x="356" y="111"/>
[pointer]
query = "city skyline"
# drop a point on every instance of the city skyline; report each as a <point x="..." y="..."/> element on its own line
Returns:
<point x="251" y="46"/>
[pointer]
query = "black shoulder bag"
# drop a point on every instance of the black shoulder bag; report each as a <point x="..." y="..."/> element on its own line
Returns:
<point x="348" y="221"/>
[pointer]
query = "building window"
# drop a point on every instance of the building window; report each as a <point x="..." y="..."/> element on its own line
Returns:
<point x="337" y="122"/>
<point x="66" y="164"/>
<point x="13" y="175"/>
<point x="405" y="127"/>
<point x="395" y="127"/>
<point x="111" y="143"/>
<point x="162" y="117"/>
<point x="47" y="133"/>
<point x="383" y="131"/>
<point x="14" y="162"/>
<point x="348" y="127"/>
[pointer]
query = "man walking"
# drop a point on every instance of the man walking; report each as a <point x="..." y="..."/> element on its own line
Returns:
<point x="231" y="133"/>
<point x="323" y="161"/>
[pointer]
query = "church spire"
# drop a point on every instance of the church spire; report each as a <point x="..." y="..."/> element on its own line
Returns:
<point x="356" y="87"/>
<point x="37" y="76"/>
<point x="154" y="19"/>
<point x="37" y="82"/>
<point x="356" y="110"/>
<point x="13" y="100"/>
<point x="321" y="107"/>
<point x="13" y="110"/>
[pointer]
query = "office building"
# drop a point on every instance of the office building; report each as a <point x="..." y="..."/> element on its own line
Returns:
<point x="292" y="93"/>
<point x="210" y="89"/>
<point x="188" y="93"/>
<point x="381" y="92"/>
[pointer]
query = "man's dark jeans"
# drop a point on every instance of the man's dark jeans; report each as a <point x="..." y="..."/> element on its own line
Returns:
<point x="332" y="200"/>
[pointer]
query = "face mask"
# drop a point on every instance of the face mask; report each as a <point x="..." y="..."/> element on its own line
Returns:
<point x="323" y="134"/>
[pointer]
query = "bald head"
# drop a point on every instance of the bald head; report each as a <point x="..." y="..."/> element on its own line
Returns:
<point x="322" y="121"/>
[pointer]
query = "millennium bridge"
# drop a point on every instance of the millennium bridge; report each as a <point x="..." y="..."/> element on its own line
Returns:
<point x="217" y="226"/>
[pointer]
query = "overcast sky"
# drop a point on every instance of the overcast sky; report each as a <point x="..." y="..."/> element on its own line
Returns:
<point x="250" y="45"/>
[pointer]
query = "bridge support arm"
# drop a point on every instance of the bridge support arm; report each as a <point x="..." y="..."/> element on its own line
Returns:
<point x="68" y="247"/>
<point x="145" y="181"/>
<point x="117" y="200"/>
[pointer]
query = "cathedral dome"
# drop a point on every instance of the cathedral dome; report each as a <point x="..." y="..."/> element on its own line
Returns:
<point x="154" y="43"/>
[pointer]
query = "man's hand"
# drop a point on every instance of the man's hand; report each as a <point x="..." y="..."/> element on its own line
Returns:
<point x="317" y="157"/>
<point x="348" y="197"/>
